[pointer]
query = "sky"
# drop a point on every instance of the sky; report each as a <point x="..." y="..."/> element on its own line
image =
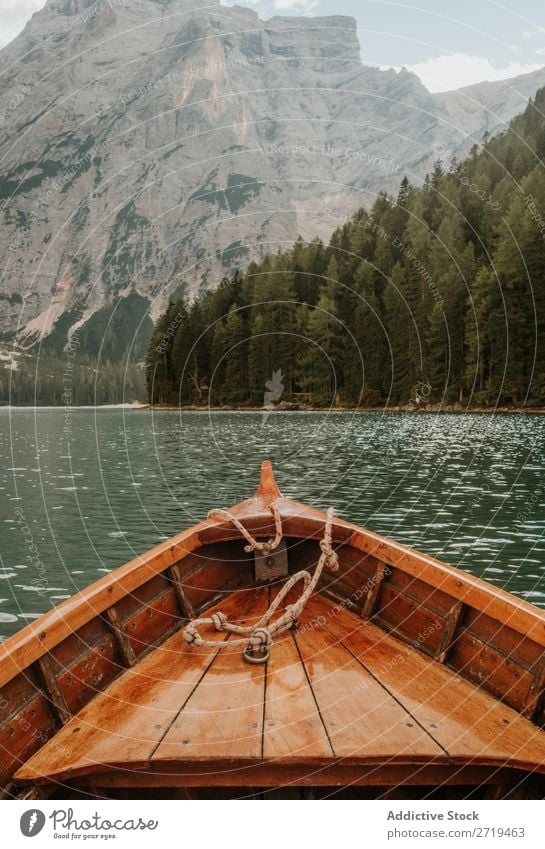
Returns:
<point x="448" y="44"/>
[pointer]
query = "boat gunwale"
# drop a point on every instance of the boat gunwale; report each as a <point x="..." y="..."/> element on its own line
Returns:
<point x="335" y="775"/>
<point x="169" y="767"/>
<point x="40" y="636"/>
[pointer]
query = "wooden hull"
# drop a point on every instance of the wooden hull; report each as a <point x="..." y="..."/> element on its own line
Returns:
<point x="405" y="677"/>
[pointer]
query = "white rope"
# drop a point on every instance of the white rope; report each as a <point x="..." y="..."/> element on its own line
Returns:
<point x="253" y="544"/>
<point x="258" y="639"/>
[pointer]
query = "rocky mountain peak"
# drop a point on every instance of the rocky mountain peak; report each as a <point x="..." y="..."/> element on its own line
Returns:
<point x="149" y="147"/>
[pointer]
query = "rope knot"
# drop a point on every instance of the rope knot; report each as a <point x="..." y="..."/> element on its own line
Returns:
<point x="265" y="547"/>
<point x="261" y="639"/>
<point x="292" y="614"/>
<point x="252" y="543"/>
<point x="219" y="620"/>
<point x="331" y="560"/>
<point x="191" y="635"/>
<point x="258" y="639"/>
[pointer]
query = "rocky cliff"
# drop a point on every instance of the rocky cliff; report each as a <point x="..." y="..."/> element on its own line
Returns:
<point x="150" y="146"/>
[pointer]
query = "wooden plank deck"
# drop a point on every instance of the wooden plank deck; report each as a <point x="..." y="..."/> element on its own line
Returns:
<point x="464" y="719"/>
<point x="337" y="694"/>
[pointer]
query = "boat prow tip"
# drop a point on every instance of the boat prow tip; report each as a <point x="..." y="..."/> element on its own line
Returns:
<point x="268" y="488"/>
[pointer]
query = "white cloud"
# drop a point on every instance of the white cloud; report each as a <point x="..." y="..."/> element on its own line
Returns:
<point x="13" y="16"/>
<point x="277" y="5"/>
<point x="455" y="70"/>
<point x="295" y="5"/>
<point x="533" y="33"/>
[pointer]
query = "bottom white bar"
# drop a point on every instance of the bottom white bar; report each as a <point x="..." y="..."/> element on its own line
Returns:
<point x="234" y="825"/>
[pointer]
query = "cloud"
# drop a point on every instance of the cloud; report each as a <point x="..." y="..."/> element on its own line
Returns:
<point x="13" y="16"/>
<point x="455" y="70"/>
<point x="533" y="33"/>
<point x="277" y="5"/>
<point x="295" y="5"/>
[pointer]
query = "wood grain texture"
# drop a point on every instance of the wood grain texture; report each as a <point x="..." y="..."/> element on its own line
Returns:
<point x="337" y="691"/>
<point x="501" y="647"/>
<point x="56" y="698"/>
<point x="123" y="725"/>
<point x="360" y="715"/>
<point x="293" y="726"/>
<point x="224" y="716"/>
<point x="465" y="720"/>
<point x="334" y="774"/>
<point x="123" y="643"/>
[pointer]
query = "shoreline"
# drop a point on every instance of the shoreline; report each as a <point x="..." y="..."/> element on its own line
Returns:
<point x="442" y="409"/>
<point x="430" y="408"/>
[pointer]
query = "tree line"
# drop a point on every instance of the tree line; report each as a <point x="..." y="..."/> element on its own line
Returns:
<point x="51" y="379"/>
<point x="436" y="295"/>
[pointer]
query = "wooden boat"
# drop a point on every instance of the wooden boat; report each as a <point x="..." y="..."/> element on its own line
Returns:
<point x="404" y="678"/>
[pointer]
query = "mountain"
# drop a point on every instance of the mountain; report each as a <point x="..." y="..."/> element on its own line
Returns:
<point x="147" y="148"/>
<point x="434" y="296"/>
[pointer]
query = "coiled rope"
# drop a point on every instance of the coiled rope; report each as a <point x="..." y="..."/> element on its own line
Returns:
<point x="258" y="639"/>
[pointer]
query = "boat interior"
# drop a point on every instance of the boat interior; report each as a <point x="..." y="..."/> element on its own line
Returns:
<point x="404" y="677"/>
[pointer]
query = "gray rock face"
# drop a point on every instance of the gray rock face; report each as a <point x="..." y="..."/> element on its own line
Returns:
<point x="149" y="145"/>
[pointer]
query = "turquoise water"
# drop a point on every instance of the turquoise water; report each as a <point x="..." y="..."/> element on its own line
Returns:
<point x="84" y="491"/>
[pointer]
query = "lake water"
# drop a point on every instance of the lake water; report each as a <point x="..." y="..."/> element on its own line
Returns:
<point x="83" y="492"/>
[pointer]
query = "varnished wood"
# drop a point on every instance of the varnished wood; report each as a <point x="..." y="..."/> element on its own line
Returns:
<point x="371" y="599"/>
<point x="339" y="598"/>
<point x="267" y="490"/>
<point x="453" y="620"/>
<point x="58" y="703"/>
<point x="224" y="715"/>
<point x="361" y="717"/>
<point x="337" y="690"/>
<point x="125" y="724"/>
<point x="293" y="726"/>
<point x="123" y="643"/>
<point x="336" y="774"/>
<point x="487" y="667"/>
<point x="177" y="704"/>
<point x="536" y="693"/>
<point x="466" y="721"/>
<point x="474" y="592"/>
<point x="184" y="601"/>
